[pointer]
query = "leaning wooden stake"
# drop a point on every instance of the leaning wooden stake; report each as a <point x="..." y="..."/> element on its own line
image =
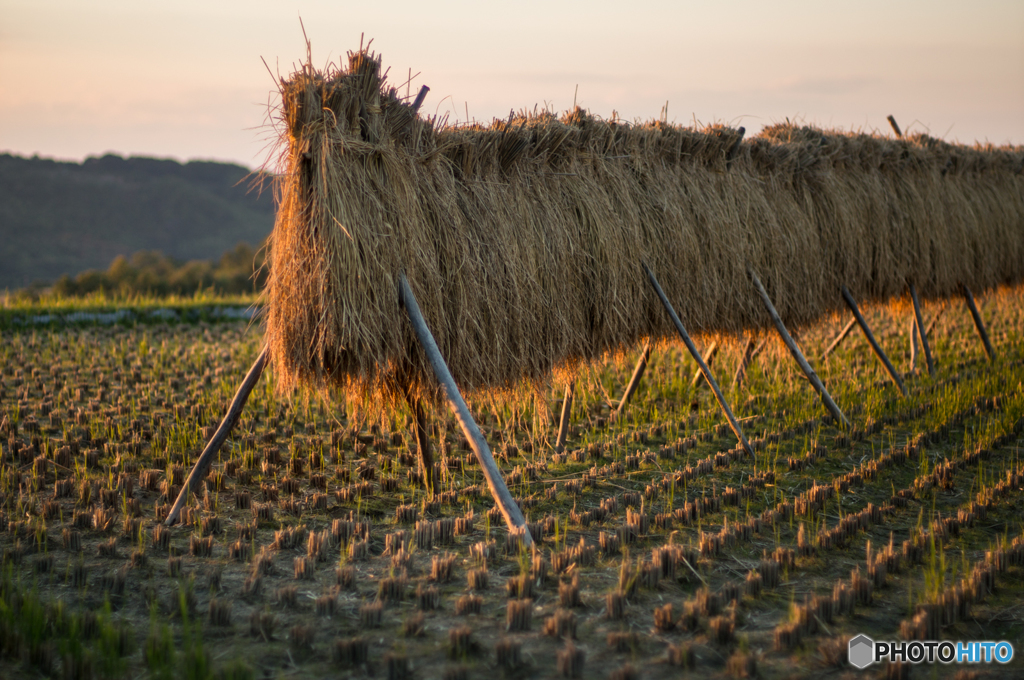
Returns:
<point x="745" y="358"/>
<point x="733" y="423"/>
<point x="420" y="96"/>
<point x="895" y="126"/>
<point x="839" y="338"/>
<point x="563" y="424"/>
<point x="978" y="323"/>
<point x="913" y="342"/>
<point x="797" y="354"/>
<point x="513" y="515"/>
<point x="920" y="325"/>
<point x="230" y="418"/>
<point x="709" y="357"/>
<point x="935" y="319"/>
<point x="852" y="304"/>
<point x="423" y="442"/>
<point x="634" y="381"/>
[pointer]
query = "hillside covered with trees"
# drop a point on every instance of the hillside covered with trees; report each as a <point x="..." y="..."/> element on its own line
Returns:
<point x="63" y="218"/>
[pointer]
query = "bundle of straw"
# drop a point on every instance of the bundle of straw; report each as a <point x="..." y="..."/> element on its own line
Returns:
<point x="523" y="240"/>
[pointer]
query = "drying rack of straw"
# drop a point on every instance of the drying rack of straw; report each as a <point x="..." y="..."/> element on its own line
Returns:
<point x="411" y="258"/>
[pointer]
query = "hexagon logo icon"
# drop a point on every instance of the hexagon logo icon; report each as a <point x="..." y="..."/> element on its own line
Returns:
<point x="861" y="651"/>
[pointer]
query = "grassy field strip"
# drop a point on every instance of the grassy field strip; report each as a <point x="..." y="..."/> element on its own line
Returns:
<point x="313" y="549"/>
<point x="948" y="606"/>
<point x="860" y="470"/>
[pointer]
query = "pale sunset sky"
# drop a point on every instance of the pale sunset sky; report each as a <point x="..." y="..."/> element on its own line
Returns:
<point x="185" y="79"/>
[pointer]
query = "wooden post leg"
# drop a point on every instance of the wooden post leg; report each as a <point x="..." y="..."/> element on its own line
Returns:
<point x="913" y="343"/>
<point x="634" y="381"/>
<point x="839" y="338"/>
<point x="733" y="423"/>
<point x="798" y="355"/>
<point x="563" y="424"/>
<point x="852" y="304"/>
<point x="745" y="357"/>
<point x="709" y="358"/>
<point x="935" y="319"/>
<point x="223" y="430"/>
<point x="420" y="96"/>
<point x="423" y="447"/>
<point x="920" y="325"/>
<point x="506" y="504"/>
<point x="978" y="323"/>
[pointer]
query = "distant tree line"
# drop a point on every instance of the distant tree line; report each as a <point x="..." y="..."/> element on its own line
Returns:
<point x="241" y="270"/>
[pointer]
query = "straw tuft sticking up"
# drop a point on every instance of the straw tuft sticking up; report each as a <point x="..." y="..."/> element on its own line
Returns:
<point x="522" y="240"/>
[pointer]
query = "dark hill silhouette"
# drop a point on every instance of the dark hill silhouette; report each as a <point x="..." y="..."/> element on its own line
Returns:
<point x="63" y="218"/>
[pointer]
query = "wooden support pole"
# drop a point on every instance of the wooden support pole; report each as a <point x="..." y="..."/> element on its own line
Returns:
<point x="420" y="96"/>
<point x="852" y="304"/>
<point x="913" y="342"/>
<point x="513" y="515"/>
<point x="217" y="440"/>
<point x="895" y="126"/>
<point x="634" y="381"/>
<point x="709" y="358"/>
<point x="731" y="153"/>
<point x="978" y="323"/>
<point x="745" y="357"/>
<point x="920" y="325"/>
<point x="839" y="338"/>
<point x="935" y="319"/>
<point x="423" y="446"/>
<point x="607" y="397"/>
<point x="563" y="424"/>
<point x="797" y="354"/>
<point x="733" y="423"/>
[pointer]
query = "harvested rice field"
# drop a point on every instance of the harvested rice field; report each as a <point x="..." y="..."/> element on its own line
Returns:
<point x="314" y="550"/>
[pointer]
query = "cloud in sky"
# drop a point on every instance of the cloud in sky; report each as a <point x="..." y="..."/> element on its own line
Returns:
<point x="186" y="79"/>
